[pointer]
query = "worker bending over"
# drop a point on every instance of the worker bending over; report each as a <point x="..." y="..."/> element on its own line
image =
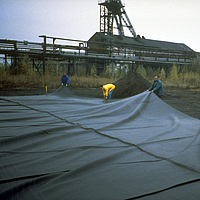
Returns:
<point x="107" y="90"/>
<point x="157" y="87"/>
<point x="65" y="79"/>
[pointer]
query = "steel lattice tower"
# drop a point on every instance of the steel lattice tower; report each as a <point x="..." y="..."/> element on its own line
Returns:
<point x="113" y="10"/>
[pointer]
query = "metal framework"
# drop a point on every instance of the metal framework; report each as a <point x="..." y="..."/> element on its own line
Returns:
<point x="113" y="11"/>
<point x="88" y="52"/>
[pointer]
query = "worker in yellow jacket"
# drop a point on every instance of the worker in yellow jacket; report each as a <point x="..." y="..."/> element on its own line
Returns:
<point x="107" y="90"/>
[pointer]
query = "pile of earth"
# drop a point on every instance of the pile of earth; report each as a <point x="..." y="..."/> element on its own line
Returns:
<point x="129" y="85"/>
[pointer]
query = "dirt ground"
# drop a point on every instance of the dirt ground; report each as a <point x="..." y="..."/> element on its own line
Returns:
<point x="184" y="100"/>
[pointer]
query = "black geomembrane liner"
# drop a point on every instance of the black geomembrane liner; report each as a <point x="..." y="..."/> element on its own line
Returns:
<point x="67" y="146"/>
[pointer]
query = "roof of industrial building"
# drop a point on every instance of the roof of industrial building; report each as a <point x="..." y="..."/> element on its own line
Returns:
<point x="140" y="42"/>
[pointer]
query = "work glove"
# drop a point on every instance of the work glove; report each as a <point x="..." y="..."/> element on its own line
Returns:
<point x="62" y="83"/>
<point x="66" y="85"/>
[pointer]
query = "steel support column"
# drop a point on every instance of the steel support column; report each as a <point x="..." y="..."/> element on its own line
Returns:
<point x="15" y="55"/>
<point x="74" y="66"/>
<point x="44" y="53"/>
<point x="5" y="60"/>
<point x="113" y="68"/>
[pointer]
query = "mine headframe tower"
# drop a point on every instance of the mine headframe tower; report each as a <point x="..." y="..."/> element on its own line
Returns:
<point x="113" y="10"/>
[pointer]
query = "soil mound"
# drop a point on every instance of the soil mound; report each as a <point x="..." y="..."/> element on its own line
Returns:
<point x="129" y="85"/>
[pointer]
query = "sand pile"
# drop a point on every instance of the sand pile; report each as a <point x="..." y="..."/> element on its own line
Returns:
<point x="129" y="85"/>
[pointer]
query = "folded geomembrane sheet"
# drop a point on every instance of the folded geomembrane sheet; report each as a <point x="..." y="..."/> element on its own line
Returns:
<point x="67" y="146"/>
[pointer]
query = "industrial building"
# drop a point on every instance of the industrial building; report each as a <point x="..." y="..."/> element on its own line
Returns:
<point x="102" y="49"/>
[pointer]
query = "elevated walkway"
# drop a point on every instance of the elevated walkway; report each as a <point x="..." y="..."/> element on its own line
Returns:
<point x="128" y="50"/>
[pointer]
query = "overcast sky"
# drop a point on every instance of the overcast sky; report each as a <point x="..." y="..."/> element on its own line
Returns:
<point x="166" y="20"/>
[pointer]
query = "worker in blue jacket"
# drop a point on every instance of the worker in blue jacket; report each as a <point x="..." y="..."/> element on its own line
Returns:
<point x="157" y="87"/>
<point x="65" y="79"/>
